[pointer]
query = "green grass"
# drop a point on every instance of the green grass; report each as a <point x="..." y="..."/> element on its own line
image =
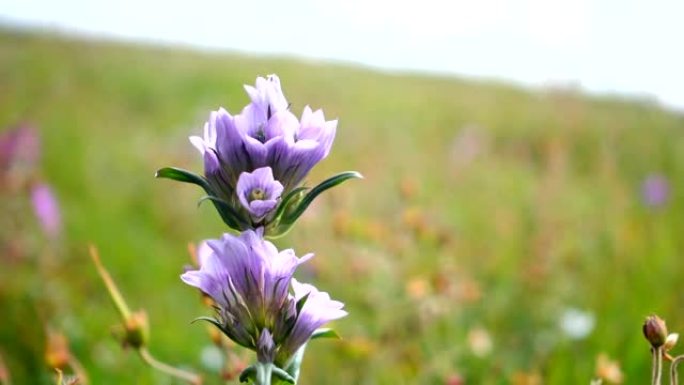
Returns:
<point x="545" y="214"/>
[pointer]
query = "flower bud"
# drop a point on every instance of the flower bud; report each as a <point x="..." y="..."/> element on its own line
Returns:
<point x="655" y="331"/>
<point x="266" y="348"/>
<point x="57" y="353"/>
<point x="137" y="330"/>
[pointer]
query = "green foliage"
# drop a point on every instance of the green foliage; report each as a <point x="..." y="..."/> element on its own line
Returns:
<point x="485" y="208"/>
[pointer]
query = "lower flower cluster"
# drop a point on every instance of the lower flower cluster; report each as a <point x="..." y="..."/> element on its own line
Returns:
<point x="259" y="304"/>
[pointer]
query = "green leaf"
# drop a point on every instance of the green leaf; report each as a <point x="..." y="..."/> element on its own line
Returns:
<point x="290" y="217"/>
<point x="229" y="216"/>
<point x="253" y="372"/>
<point x="282" y="375"/>
<point x="325" y="333"/>
<point x="295" y="363"/>
<point x="288" y="200"/>
<point x="301" y="302"/>
<point x="211" y="320"/>
<point x="186" y="176"/>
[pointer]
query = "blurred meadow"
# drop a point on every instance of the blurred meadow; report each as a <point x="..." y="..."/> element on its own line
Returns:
<point x="500" y="236"/>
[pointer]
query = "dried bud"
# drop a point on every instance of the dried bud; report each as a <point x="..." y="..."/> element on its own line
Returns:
<point x="137" y="330"/>
<point x="655" y="331"/>
<point x="57" y="353"/>
<point x="671" y="341"/>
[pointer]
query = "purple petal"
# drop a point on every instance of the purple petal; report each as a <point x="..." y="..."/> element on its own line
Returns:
<point x="261" y="179"/>
<point x="318" y="310"/>
<point x="655" y="190"/>
<point x="46" y="209"/>
<point x="259" y="208"/>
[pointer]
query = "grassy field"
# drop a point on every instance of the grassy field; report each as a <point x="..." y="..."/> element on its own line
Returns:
<point x="488" y="215"/>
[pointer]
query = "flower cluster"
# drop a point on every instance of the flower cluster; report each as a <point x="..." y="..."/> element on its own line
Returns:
<point x="249" y="280"/>
<point x="254" y="166"/>
<point x="255" y="161"/>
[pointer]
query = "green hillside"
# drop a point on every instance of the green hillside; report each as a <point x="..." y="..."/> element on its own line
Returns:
<point x="487" y="212"/>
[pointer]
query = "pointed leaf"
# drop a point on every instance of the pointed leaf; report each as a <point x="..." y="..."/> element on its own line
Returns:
<point x="290" y="218"/>
<point x="295" y="363"/>
<point x="282" y="375"/>
<point x="230" y="217"/>
<point x="212" y="321"/>
<point x="186" y="176"/>
<point x="325" y="333"/>
<point x="301" y="302"/>
<point x="288" y="200"/>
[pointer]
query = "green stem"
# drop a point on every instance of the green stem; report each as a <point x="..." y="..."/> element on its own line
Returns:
<point x="674" y="378"/>
<point x="657" y="370"/>
<point x="114" y="292"/>
<point x="189" y="377"/>
<point x="263" y="374"/>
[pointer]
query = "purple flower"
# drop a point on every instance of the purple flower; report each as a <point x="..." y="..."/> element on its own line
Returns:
<point x="19" y="151"/>
<point x="265" y="133"/>
<point x="46" y="209"/>
<point x="293" y="157"/>
<point x="249" y="280"/>
<point x="258" y="192"/>
<point x="655" y="190"/>
<point x="318" y="310"/>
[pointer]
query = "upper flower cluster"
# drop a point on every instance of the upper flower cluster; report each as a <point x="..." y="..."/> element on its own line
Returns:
<point x="265" y="134"/>
<point x="255" y="161"/>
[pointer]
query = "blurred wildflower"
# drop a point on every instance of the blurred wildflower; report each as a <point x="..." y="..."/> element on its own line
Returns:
<point x="608" y="370"/>
<point x="655" y="190"/>
<point x="417" y="288"/>
<point x="46" y="208"/>
<point x="470" y="143"/>
<point x="469" y="290"/>
<point x="408" y="188"/>
<point x="414" y="219"/>
<point x="454" y="379"/>
<point x="249" y="278"/>
<point x="19" y="153"/>
<point x="212" y="358"/>
<point x="258" y="192"/>
<point x="525" y="378"/>
<point x="480" y="342"/>
<point x="577" y="324"/>
<point x="57" y="354"/>
<point x="342" y="223"/>
<point x="5" y="378"/>
<point x="655" y="331"/>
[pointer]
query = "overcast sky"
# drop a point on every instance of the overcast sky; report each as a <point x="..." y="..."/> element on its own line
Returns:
<point x="621" y="46"/>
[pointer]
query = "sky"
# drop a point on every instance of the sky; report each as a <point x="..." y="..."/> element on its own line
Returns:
<point x="603" y="46"/>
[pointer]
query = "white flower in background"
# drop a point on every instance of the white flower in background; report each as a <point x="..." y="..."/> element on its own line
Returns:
<point x="480" y="342"/>
<point x="577" y="324"/>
